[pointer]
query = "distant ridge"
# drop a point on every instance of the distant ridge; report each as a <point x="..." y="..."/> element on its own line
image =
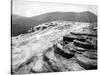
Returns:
<point x="21" y="24"/>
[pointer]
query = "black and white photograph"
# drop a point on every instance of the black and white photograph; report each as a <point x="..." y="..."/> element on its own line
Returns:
<point x="48" y="37"/>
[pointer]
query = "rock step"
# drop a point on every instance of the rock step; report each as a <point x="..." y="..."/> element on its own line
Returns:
<point x="65" y="48"/>
<point x="85" y="62"/>
<point x="71" y="38"/>
<point x="63" y="53"/>
<point x="84" y="45"/>
<point x="87" y="34"/>
<point x="70" y="47"/>
<point x="80" y="49"/>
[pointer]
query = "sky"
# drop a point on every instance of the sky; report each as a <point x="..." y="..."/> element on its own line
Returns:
<point x="29" y="8"/>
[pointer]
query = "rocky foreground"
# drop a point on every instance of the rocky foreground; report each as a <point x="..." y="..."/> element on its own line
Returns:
<point x="57" y="48"/>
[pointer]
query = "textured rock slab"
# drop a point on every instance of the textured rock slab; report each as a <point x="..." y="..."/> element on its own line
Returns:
<point x="90" y="54"/>
<point x="85" y="62"/>
<point x="62" y="64"/>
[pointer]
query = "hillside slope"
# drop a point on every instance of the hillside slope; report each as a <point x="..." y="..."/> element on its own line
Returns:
<point x="21" y="24"/>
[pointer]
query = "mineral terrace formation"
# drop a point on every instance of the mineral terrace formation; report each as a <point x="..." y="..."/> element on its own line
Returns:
<point x="55" y="47"/>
